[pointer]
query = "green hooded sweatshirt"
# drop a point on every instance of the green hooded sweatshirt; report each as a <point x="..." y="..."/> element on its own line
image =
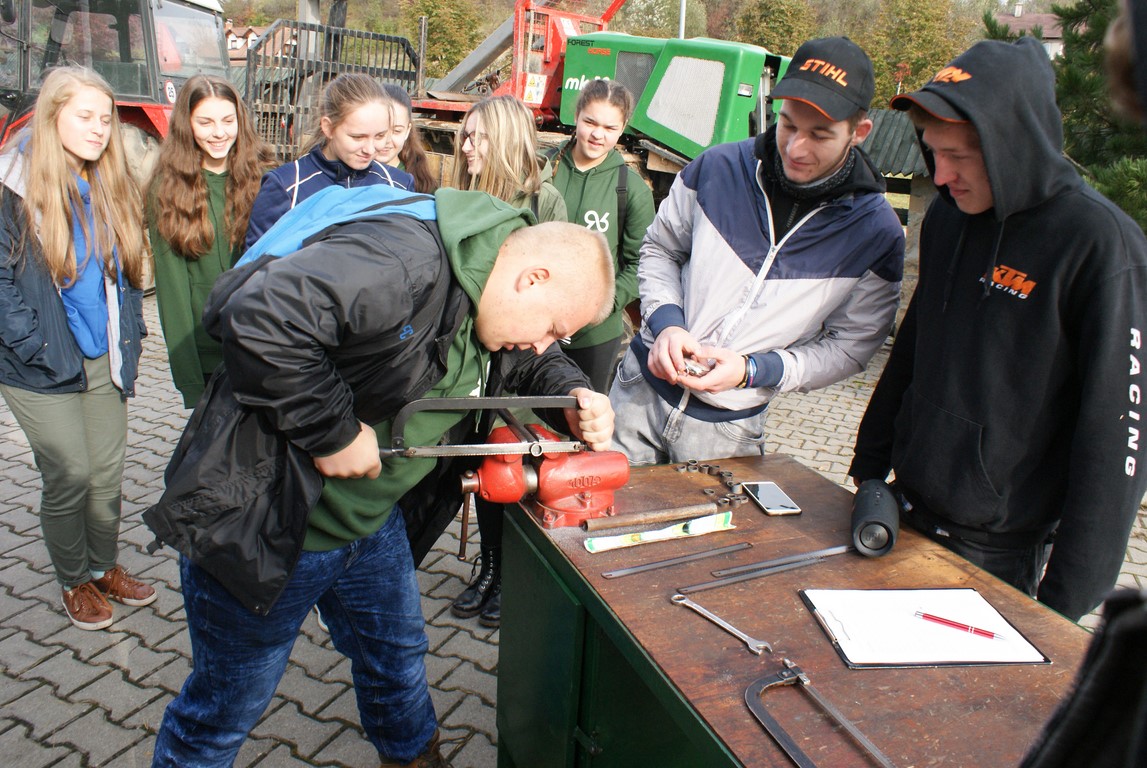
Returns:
<point x="551" y="206"/>
<point x="591" y="201"/>
<point x="181" y="290"/>
<point x="473" y="226"/>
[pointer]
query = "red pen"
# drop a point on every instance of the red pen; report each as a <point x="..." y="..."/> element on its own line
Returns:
<point x="957" y="625"/>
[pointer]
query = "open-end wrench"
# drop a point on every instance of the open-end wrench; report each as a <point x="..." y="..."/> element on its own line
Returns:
<point x="756" y="646"/>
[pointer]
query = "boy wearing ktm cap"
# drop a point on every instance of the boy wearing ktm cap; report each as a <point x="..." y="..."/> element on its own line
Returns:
<point x="1011" y="407"/>
<point x="774" y="265"/>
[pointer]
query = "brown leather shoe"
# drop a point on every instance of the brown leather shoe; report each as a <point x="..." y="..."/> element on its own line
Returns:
<point x="87" y="607"/>
<point x="117" y="585"/>
<point x="431" y="758"/>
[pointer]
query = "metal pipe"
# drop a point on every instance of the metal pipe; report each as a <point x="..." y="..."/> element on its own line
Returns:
<point x="652" y="516"/>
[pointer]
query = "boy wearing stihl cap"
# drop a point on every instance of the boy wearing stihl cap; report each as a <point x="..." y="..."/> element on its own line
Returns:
<point x="1011" y="405"/>
<point x="773" y="265"/>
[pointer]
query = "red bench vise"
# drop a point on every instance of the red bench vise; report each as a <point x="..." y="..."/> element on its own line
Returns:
<point x="559" y="481"/>
<point x="560" y="489"/>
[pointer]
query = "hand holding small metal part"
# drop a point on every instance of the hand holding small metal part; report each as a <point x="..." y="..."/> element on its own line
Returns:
<point x="723" y="369"/>
<point x="696" y="368"/>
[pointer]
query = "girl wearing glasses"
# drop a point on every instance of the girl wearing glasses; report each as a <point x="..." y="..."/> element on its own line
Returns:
<point x="497" y="152"/>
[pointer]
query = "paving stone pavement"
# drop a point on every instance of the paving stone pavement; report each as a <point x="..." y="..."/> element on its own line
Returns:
<point x="72" y="698"/>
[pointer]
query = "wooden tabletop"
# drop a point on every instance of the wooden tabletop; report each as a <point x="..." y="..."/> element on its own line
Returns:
<point x="951" y="716"/>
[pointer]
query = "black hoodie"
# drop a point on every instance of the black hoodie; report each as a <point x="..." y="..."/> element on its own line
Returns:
<point x="1011" y="403"/>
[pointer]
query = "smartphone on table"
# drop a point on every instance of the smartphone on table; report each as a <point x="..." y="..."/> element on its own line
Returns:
<point x="770" y="498"/>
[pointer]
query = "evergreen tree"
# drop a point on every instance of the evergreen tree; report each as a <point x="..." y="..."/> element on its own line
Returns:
<point x="996" y="30"/>
<point x="1112" y="149"/>
<point x="1124" y="182"/>
<point x="1095" y="135"/>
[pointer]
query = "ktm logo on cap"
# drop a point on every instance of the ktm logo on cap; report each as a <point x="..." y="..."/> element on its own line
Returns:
<point x="828" y="70"/>
<point x="951" y="75"/>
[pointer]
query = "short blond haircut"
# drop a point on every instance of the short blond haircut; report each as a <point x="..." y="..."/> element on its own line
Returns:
<point x="577" y="257"/>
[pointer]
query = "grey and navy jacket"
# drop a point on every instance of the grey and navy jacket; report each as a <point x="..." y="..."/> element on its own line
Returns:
<point x="1011" y="406"/>
<point x="38" y="351"/>
<point x="290" y="184"/>
<point x="821" y="298"/>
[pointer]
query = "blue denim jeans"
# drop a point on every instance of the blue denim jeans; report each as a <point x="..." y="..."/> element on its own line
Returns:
<point x="369" y="597"/>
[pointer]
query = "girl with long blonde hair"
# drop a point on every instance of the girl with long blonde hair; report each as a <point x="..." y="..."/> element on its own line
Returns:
<point x="497" y="152"/>
<point x="71" y="321"/>
<point x="199" y="201"/>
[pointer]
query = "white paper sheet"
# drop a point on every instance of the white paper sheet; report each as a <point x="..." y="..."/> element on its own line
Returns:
<point x="880" y="627"/>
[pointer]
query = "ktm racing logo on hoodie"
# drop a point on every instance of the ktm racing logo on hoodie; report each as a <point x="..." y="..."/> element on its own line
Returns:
<point x="1011" y="281"/>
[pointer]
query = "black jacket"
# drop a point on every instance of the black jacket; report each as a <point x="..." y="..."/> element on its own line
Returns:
<point x="1011" y="401"/>
<point x="371" y="308"/>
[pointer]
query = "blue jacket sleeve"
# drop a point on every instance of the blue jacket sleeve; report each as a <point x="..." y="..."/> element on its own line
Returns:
<point x="269" y="206"/>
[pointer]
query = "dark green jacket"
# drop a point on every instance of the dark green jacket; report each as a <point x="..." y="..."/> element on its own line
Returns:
<point x="181" y="290"/>
<point x="591" y="200"/>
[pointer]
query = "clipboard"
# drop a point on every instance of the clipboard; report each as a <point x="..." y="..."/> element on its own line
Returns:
<point x="874" y="628"/>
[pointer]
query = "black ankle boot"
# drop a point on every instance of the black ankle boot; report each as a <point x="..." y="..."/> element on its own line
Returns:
<point x="492" y="613"/>
<point x="474" y="598"/>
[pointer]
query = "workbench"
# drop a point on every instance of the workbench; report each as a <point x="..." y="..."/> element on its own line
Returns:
<point x="608" y="673"/>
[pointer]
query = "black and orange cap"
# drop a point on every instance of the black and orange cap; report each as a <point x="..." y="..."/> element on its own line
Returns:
<point x="932" y="103"/>
<point x="831" y="74"/>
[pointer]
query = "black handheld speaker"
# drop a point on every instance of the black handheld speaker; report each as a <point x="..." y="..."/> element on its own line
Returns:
<point x="875" y="518"/>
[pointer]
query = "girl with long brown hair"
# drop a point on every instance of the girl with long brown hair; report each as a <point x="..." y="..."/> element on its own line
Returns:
<point x="71" y="245"/>
<point x="199" y="201"/>
<point x="402" y="147"/>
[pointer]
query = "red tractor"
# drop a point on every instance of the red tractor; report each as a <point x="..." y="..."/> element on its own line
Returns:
<point x="145" y="50"/>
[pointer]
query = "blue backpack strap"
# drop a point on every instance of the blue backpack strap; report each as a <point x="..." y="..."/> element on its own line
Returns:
<point x="337" y="205"/>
